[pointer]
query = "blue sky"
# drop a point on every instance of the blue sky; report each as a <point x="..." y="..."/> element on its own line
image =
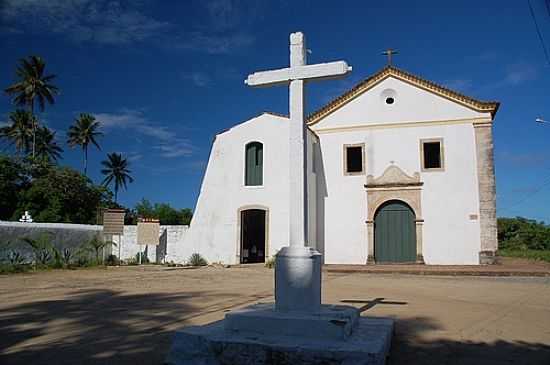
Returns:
<point x="165" y="76"/>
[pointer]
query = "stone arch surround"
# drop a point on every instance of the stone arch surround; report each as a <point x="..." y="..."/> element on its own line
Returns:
<point x="394" y="184"/>
<point x="239" y="223"/>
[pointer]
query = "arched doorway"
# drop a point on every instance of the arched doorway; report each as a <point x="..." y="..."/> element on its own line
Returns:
<point x="394" y="233"/>
<point x="253" y="236"/>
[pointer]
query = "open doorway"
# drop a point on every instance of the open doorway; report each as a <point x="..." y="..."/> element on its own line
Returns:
<point x="253" y="236"/>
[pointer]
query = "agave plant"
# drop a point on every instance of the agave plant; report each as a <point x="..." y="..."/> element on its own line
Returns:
<point x="67" y="256"/>
<point x="15" y="258"/>
<point x="41" y="247"/>
<point x="197" y="260"/>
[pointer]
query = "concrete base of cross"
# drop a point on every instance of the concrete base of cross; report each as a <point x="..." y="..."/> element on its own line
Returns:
<point x="259" y="334"/>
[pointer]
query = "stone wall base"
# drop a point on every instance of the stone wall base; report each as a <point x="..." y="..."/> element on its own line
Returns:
<point x="487" y="257"/>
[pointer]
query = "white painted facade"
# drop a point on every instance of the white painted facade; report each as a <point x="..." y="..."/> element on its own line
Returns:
<point x="337" y="202"/>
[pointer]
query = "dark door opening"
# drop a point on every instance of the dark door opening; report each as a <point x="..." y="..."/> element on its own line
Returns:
<point x="252" y="236"/>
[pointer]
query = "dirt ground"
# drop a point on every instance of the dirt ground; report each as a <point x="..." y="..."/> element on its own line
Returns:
<point x="127" y="315"/>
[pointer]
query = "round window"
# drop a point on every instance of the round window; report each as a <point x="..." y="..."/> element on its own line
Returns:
<point x="388" y="96"/>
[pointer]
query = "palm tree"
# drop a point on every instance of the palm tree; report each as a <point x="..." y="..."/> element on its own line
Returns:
<point x="32" y="85"/>
<point x="82" y="132"/>
<point x="116" y="168"/>
<point x="19" y="132"/>
<point x="46" y="146"/>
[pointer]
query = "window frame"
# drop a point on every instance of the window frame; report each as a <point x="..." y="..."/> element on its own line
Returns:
<point x="245" y="161"/>
<point x="345" y="159"/>
<point x="441" y="155"/>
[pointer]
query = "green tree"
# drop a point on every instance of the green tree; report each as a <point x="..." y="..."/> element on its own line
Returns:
<point x="19" y="133"/>
<point x="47" y="148"/>
<point x="523" y="234"/>
<point x="144" y="209"/>
<point x="61" y="194"/>
<point x="116" y="170"/>
<point x="32" y="85"/>
<point x="83" y="132"/>
<point x="12" y="182"/>
<point x="163" y="212"/>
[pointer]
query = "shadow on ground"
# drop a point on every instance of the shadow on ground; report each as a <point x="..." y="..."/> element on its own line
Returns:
<point x="92" y="327"/>
<point x="408" y="347"/>
<point x="107" y="327"/>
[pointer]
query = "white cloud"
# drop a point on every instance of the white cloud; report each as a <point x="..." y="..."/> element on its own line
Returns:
<point x="458" y="84"/>
<point x="213" y="43"/>
<point x="177" y="148"/>
<point x="98" y="21"/>
<point x="200" y="79"/>
<point x="110" y="22"/>
<point x="519" y="73"/>
<point x="165" y="140"/>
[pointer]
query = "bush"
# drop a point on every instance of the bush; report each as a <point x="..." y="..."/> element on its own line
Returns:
<point x="270" y="263"/>
<point x="523" y="234"/>
<point x="197" y="260"/>
<point x="112" y="260"/>
<point x="144" y="258"/>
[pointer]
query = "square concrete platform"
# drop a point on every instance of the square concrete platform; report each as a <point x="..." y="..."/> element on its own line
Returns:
<point x="220" y="343"/>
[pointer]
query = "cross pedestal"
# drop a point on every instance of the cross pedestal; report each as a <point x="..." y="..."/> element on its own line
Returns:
<point x="296" y="329"/>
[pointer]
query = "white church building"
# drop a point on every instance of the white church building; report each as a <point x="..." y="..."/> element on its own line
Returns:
<point x="400" y="170"/>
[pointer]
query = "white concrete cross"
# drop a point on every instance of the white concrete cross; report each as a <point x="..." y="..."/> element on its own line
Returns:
<point x="296" y="75"/>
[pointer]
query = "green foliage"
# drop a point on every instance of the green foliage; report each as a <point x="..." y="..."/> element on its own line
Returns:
<point x="12" y="182"/>
<point x="19" y="132"/>
<point x="32" y="85"/>
<point x="62" y="195"/>
<point x="523" y="234"/>
<point x="270" y="263"/>
<point x="164" y="212"/>
<point x="41" y="247"/>
<point x="540" y="255"/>
<point x="84" y="131"/>
<point x="15" y="258"/>
<point x="197" y="260"/>
<point x="116" y="170"/>
<point x="144" y="258"/>
<point x="47" y="148"/>
<point x="112" y="260"/>
<point x="96" y="246"/>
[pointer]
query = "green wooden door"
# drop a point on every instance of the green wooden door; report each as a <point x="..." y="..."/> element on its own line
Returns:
<point x="394" y="233"/>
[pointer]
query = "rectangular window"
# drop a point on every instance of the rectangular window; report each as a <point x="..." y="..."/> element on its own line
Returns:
<point x="354" y="163"/>
<point x="431" y="153"/>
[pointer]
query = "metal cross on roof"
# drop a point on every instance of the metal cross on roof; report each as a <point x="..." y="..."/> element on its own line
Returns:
<point x="389" y="52"/>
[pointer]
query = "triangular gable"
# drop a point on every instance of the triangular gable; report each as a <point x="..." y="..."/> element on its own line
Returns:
<point x="390" y="71"/>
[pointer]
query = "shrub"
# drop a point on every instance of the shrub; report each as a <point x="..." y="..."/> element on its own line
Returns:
<point x="197" y="260"/>
<point x="270" y="263"/>
<point x="112" y="260"/>
<point x="15" y="258"/>
<point x="144" y="258"/>
<point x="41" y="247"/>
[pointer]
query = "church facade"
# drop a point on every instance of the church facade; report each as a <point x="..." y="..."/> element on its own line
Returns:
<point x="400" y="170"/>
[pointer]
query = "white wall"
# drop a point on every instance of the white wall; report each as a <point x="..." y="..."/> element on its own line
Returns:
<point x="170" y="248"/>
<point x="448" y="197"/>
<point x="411" y="105"/>
<point x="214" y="230"/>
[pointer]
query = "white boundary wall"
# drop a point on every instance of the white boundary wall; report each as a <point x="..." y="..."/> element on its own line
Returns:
<point x="69" y="235"/>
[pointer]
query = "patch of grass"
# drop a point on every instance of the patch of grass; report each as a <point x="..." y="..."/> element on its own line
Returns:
<point x="540" y="255"/>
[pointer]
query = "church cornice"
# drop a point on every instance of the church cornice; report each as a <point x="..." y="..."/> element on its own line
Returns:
<point x="391" y="71"/>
